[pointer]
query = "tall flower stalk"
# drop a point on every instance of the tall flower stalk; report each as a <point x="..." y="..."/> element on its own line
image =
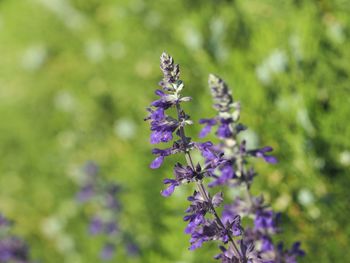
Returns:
<point x="224" y="163"/>
<point x="105" y="199"/>
<point x="236" y="172"/>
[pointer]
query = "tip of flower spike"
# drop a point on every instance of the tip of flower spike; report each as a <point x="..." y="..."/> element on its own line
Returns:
<point x="164" y="56"/>
<point x="214" y="80"/>
<point x="165" y="60"/>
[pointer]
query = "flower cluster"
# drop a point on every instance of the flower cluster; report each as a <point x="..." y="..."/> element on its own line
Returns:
<point x="12" y="248"/>
<point x="225" y="163"/>
<point x="104" y="196"/>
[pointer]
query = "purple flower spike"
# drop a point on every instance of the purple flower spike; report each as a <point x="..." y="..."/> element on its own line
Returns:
<point x="108" y="210"/>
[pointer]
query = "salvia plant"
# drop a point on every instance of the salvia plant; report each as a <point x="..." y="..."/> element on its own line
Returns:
<point x="224" y="164"/>
<point x="12" y="248"/>
<point x="103" y="196"/>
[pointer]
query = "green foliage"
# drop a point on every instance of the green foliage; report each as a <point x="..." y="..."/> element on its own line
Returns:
<point x="76" y="76"/>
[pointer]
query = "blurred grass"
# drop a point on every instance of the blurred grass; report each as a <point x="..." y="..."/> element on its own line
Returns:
<point x="76" y="76"/>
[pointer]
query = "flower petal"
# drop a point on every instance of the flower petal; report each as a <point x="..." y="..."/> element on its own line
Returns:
<point x="168" y="192"/>
<point x="157" y="162"/>
<point x="270" y="159"/>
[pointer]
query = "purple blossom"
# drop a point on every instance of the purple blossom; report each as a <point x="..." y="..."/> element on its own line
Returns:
<point x="225" y="129"/>
<point x="266" y="220"/>
<point x="157" y="162"/>
<point x="132" y="249"/>
<point x="96" y="226"/>
<point x="261" y="153"/>
<point x="111" y="228"/>
<point x="227" y="174"/>
<point x="12" y="248"/>
<point x="107" y="251"/>
<point x="86" y="192"/>
<point x="213" y="156"/>
<point x="172" y="184"/>
<point x="209" y="123"/>
<point x="289" y="255"/>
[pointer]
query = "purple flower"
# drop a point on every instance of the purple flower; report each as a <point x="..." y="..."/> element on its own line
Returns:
<point x="261" y="153"/>
<point x="267" y="244"/>
<point x="164" y="102"/>
<point x="266" y="220"/>
<point x="172" y="184"/>
<point x="107" y="251"/>
<point x="234" y="224"/>
<point x="111" y="228"/>
<point x="249" y="253"/>
<point x="12" y="248"/>
<point x="291" y="255"/>
<point x="86" y="192"/>
<point x="212" y="155"/>
<point x="96" y="226"/>
<point x="227" y="255"/>
<point x="196" y="211"/>
<point x="157" y="162"/>
<point x="225" y="130"/>
<point x="209" y="123"/>
<point x="227" y="174"/>
<point x="132" y="249"/>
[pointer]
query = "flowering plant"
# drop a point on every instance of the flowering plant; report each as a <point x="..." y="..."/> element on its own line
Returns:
<point x="226" y="164"/>
<point x="104" y="196"/>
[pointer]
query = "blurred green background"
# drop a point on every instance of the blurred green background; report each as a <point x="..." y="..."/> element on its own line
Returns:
<point x="77" y="75"/>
